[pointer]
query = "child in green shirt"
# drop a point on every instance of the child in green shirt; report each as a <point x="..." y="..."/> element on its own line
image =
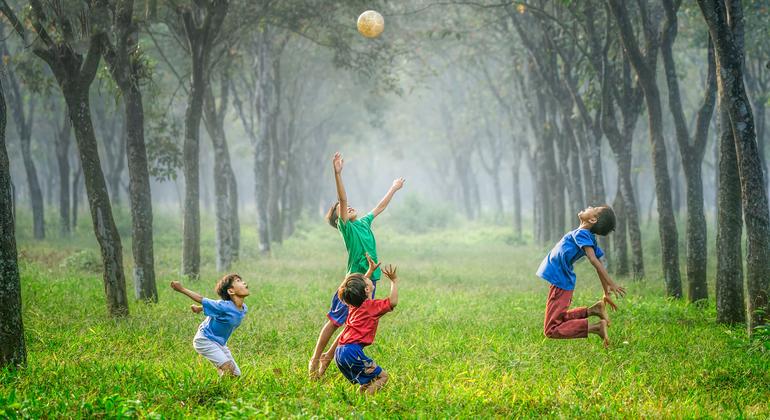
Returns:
<point x="359" y="240"/>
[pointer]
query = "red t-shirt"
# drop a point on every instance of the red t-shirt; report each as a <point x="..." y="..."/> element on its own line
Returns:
<point x="361" y="325"/>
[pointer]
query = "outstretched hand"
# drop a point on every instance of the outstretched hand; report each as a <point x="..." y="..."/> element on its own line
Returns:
<point x="619" y="291"/>
<point x="390" y="272"/>
<point x="337" y="162"/>
<point x="196" y="309"/>
<point x="372" y="265"/>
<point x="398" y="184"/>
<point x="609" y="302"/>
<point x="176" y="286"/>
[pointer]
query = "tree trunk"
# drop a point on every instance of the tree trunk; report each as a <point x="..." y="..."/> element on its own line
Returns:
<point x="98" y="200"/>
<point x="76" y="196"/>
<point x="645" y="70"/>
<point x="619" y="237"/>
<point x="729" y="279"/>
<point x="224" y="179"/>
<point x="62" y="157"/>
<point x="140" y="196"/>
<point x="13" y="350"/>
<point x="191" y="252"/>
<point x="726" y="29"/>
<point x="516" y="184"/>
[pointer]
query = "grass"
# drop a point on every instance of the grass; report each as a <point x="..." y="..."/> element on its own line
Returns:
<point x="465" y="341"/>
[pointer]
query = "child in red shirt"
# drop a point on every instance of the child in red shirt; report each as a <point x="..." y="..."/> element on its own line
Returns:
<point x="361" y="327"/>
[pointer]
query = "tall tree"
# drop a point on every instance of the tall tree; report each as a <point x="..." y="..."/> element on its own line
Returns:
<point x="201" y="22"/>
<point x="644" y="65"/>
<point x="128" y="68"/>
<point x="691" y="149"/>
<point x="75" y="73"/>
<point x="23" y="105"/>
<point x="63" y="133"/>
<point x="725" y="22"/>
<point x="13" y="350"/>
<point x="225" y="186"/>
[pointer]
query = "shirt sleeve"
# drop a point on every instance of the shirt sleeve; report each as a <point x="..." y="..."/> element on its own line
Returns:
<point x="368" y="219"/>
<point x="381" y="306"/>
<point x="584" y="238"/>
<point x="211" y="307"/>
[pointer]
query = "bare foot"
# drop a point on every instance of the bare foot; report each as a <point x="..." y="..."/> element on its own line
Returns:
<point x="312" y="368"/>
<point x="602" y="332"/>
<point x="377" y="383"/>
<point x="196" y="309"/>
<point x="599" y="309"/>
<point x="323" y="364"/>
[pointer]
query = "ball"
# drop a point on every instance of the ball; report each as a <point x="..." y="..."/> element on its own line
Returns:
<point x="370" y="24"/>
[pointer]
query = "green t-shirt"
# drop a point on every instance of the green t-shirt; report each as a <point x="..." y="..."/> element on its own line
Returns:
<point x="359" y="240"/>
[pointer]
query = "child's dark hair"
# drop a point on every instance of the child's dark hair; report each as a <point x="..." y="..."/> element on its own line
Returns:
<point x="225" y="283"/>
<point x="332" y="215"/>
<point x="353" y="290"/>
<point x="605" y="221"/>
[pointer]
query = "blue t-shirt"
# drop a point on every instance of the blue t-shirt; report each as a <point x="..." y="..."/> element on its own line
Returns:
<point x="556" y="267"/>
<point x="222" y="317"/>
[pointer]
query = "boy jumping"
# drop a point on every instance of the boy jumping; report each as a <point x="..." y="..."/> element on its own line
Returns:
<point x="222" y="318"/>
<point x="359" y="240"/>
<point x="361" y="327"/>
<point x="556" y="268"/>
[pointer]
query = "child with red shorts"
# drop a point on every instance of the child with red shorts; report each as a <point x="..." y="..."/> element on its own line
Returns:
<point x="557" y="269"/>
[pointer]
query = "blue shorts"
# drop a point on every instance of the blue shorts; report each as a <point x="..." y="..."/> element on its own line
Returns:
<point x="354" y="364"/>
<point x="338" y="312"/>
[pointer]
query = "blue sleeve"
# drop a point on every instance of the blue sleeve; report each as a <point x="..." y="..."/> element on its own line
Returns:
<point x="211" y="307"/>
<point x="586" y="238"/>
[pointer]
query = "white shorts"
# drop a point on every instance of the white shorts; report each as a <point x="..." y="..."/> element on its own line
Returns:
<point x="214" y="352"/>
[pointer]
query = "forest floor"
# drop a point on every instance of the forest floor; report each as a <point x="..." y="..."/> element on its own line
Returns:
<point x="466" y="339"/>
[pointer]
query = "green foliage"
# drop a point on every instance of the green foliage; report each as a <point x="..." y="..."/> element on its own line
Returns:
<point x="163" y="148"/>
<point x="86" y="260"/>
<point x="465" y="341"/>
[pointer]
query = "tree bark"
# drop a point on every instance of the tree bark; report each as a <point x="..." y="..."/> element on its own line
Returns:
<point x="200" y="40"/>
<point x="644" y="67"/>
<point x="224" y="178"/>
<point x="729" y="279"/>
<point x="692" y="153"/>
<point x="62" y="157"/>
<point x="24" y="119"/>
<point x="13" y="350"/>
<point x="725" y="22"/>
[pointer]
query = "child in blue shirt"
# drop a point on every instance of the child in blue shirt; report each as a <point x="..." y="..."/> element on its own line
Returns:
<point x="557" y="269"/>
<point x="222" y="318"/>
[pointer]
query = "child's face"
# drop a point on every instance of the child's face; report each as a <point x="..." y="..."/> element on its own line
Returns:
<point x="589" y="214"/>
<point x="369" y="287"/>
<point x="352" y="213"/>
<point x="239" y="288"/>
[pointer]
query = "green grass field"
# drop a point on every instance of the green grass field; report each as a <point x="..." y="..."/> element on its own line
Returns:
<point x="465" y="341"/>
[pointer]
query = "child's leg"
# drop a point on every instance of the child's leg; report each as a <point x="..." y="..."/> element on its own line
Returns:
<point x="323" y="339"/>
<point x="218" y="355"/>
<point x="375" y="384"/>
<point x="326" y="358"/>
<point x="230" y="367"/>
<point x="338" y="314"/>
<point x="599" y="309"/>
<point x="561" y="323"/>
<point x="600" y="329"/>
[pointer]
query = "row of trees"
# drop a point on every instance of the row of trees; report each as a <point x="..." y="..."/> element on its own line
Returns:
<point x="550" y="82"/>
<point x="211" y="37"/>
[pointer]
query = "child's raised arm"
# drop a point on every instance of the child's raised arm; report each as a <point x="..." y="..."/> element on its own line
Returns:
<point x="608" y="285"/>
<point x="397" y="184"/>
<point x="189" y="293"/>
<point x="342" y="198"/>
<point x="390" y="272"/>
<point x="372" y="266"/>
